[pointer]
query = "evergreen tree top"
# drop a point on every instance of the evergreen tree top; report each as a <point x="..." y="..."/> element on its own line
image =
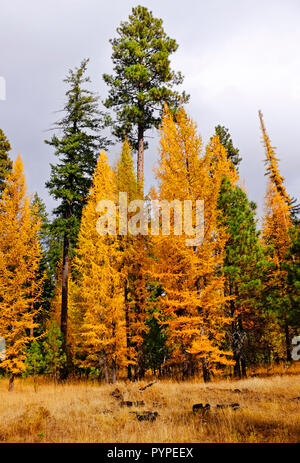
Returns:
<point x="225" y="139"/>
<point x="77" y="145"/>
<point x="143" y="78"/>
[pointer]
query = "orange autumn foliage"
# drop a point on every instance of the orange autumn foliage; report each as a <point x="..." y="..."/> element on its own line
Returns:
<point x="98" y="316"/>
<point x="277" y="224"/>
<point x="133" y="265"/>
<point x="192" y="304"/>
<point x="20" y="255"/>
<point x="277" y="220"/>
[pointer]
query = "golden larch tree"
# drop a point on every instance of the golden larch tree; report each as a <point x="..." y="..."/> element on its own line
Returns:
<point x="98" y="312"/>
<point x="192" y="303"/>
<point x="276" y="235"/>
<point x="20" y="254"/>
<point x="133" y="263"/>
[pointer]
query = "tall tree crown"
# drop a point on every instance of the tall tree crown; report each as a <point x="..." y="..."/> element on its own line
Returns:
<point x="271" y="162"/>
<point x="225" y="139"/>
<point x="273" y="172"/>
<point x="77" y="148"/>
<point x="143" y="78"/>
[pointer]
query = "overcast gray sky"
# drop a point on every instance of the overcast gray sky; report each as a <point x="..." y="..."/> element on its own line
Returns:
<point x="237" y="56"/>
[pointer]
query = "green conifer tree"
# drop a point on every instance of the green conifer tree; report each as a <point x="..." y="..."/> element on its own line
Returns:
<point x="225" y="139"/>
<point x="243" y="267"/>
<point x="51" y="251"/>
<point x="54" y="356"/>
<point x="292" y="266"/>
<point x="143" y="79"/>
<point x="243" y="261"/>
<point x="77" y="147"/>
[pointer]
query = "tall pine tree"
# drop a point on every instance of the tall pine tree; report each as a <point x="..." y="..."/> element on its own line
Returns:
<point x="143" y="79"/>
<point x="77" y="146"/>
<point x="243" y="261"/>
<point x="231" y="150"/>
<point x="243" y="266"/>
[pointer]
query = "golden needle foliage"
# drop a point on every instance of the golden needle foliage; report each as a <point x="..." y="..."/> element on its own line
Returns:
<point x="133" y="266"/>
<point x="19" y="264"/>
<point x="277" y="219"/>
<point x="99" y="314"/>
<point x="272" y="164"/>
<point x="191" y="276"/>
<point x="276" y="235"/>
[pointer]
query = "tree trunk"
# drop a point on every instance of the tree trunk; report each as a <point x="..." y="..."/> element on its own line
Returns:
<point x="113" y="372"/>
<point x="65" y="284"/>
<point x="140" y="159"/>
<point x="243" y="340"/>
<point x="140" y="367"/>
<point x="31" y="329"/>
<point x="129" y="373"/>
<point x="244" y="368"/>
<point x="234" y="334"/>
<point x="205" y="370"/>
<point x="11" y="382"/>
<point x="64" y="301"/>
<point x="237" y="367"/>
<point x="104" y="359"/>
<point x="140" y="288"/>
<point x="287" y="341"/>
<point x="113" y="361"/>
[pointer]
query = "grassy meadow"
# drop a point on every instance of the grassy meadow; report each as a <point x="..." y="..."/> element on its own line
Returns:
<point x="88" y="412"/>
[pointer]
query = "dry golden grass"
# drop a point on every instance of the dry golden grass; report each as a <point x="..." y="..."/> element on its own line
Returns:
<point x="86" y="412"/>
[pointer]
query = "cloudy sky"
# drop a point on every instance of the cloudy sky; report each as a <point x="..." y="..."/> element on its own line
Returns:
<point x="237" y="56"/>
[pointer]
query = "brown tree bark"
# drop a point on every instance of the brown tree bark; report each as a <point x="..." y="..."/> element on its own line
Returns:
<point x="105" y="367"/>
<point x="140" y="159"/>
<point x="65" y="284"/>
<point x="64" y="303"/>
<point x="287" y="341"/>
<point x="243" y="359"/>
<point x="113" y="372"/>
<point x="11" y="382"/>
<point x="129" y="372"/>
<point x="205" y="371"/>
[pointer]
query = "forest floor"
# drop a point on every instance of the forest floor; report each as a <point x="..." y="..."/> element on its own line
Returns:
<point x="269" y="411"/>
